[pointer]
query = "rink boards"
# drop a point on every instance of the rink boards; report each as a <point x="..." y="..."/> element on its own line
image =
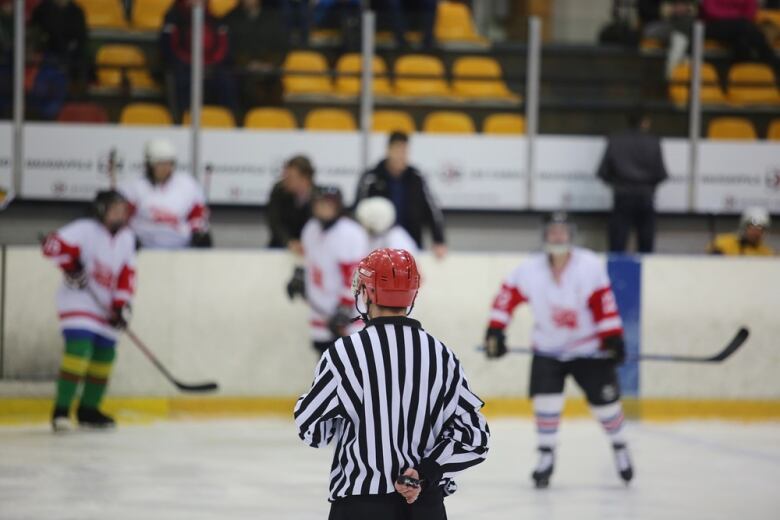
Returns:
<point x="224" y="315"/>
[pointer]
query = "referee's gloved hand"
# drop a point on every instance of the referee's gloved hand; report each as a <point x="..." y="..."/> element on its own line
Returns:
<point x="495" y="343"/>
<point x="616" y="347"/>
<point x="409" y="488"/>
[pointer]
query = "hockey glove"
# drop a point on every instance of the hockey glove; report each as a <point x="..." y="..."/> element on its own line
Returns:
<point x="339" y="322"/>
<point x="616" y="347"/>
<point x="495" y="343"/>
<point x="76" y="278"/>
<point x="200" y="239"/>
<point x="120" y="316"/>
<point x="297" y="284"/>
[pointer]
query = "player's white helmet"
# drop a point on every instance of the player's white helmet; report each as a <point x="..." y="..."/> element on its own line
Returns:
<point x="376" y="214"/>
<point x="756" y="216"/>
<point x="159" y="150"/>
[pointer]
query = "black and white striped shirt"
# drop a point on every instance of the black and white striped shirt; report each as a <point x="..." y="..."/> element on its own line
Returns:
<point x="393" y="397"/>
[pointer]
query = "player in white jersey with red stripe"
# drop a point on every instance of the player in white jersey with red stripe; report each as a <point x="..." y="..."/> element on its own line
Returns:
<point x="168" y="208"/>
<point x="333" y="245"/>
<point x="577" y="331"/>
<point x="377" y="216"/>
<point x="97" y="257"/>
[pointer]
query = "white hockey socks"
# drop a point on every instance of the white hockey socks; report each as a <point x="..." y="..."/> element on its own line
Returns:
<point x="547" y="410"/>
<point x="611" y="418"/>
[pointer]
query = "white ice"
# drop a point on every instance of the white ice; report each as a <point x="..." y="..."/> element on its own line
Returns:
<point x="258" y="469"/>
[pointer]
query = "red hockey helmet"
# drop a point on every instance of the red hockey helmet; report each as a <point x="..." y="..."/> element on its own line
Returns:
<point x="390" y="277"/>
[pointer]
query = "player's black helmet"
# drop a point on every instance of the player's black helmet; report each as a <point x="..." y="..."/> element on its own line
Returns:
<point x="103" y="200"/>
<point x="557" y="218"/>
<point x="328" y="192"/>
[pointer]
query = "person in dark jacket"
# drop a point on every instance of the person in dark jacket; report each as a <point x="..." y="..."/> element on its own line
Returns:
<point x="633" y="166"/>
<point x="60" y="27"/>
<point x="258" y="42"/>
<point x="393" y="178"/>
<point x="289" y="207"/>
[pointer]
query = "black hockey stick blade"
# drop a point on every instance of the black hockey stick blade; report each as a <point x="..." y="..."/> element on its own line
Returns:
<point x="737" y="341"/>
<point x="184" y="387"/>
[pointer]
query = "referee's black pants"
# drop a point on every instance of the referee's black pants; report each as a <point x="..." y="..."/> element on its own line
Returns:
<point x="429" y="506"/>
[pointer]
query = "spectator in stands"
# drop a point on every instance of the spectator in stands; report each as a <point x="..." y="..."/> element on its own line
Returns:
<point x="670" y="22"/>
<point x="732" y="23"/>
<point x="258" y="41"/>
<point x="342" y="14"/>
<point x="393" y="178"/>
<point x="289" y="207"/>
<point x="749" y="239"/>
<point x="175" y="42"/>
<point x="400" y="16"/>
<point x="633" y="166"/>
<point x="60" y="28"/>
<point x="298" y="18"/>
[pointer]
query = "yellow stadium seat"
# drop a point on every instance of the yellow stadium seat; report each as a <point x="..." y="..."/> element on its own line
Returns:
<point x="773" y="132"/>
<point x="455" y="24"/>
<point x="430" y="83"/>
<point x="732" y="128"/>
<point x="213" y="117"/>
<point x="353" y="64"/>
<point x="503" y="124"/>
<point x="330" y="119"/>
<point x="145" y="114"/>
<point x="711" y="92"/>
<point x="651" y="44"/>
<point x="392" y="121"/>
<point x="148" y="15"/>
<point x="115" y="60"/>
<point x="316" y="79"/>
<point x="445" y="122"/>
<point x="103" y="14"/>
<point x="271" y="118"/>
<point x="479" y="77"/>
<point x="752" y="84"/>
<point x="220" y="8"/>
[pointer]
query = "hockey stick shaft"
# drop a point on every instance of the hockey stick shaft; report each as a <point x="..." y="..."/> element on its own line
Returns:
<point x="185" y="387"/>
<point x="737" y="341"/>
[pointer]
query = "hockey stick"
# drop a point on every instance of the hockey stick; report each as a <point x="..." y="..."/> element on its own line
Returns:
<point x="737" y="341"/>
<point x="184" y="387"/>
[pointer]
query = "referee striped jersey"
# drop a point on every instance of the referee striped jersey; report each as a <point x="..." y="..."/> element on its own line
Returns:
<point x="393" y="397"/>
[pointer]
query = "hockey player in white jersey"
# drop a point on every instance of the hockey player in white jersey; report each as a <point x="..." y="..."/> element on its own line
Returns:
<point x="168" y="208"/>
<point x="577" y="331"/>
<point x="333" y="245"/>
<point x="97" y="257"/>
<point x="377" y="216"/>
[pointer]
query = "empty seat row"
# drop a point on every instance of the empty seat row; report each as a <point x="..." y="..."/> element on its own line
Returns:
<point x="415" y="75"/>
<point x="740" y="129"/>
<point x="454" y="22"/>
<point x="748" y="84"/>
<point x="144" y="14"/>
<point x="327" y="119"/>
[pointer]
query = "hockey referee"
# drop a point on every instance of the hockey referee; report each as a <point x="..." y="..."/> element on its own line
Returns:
<point x="397" y="402"/>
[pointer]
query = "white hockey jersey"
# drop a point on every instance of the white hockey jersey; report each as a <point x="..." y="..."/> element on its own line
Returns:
<point x="570" y="317"/>
<point x="331" y="257"/>
<point x="165" y="215"/>
<point x="109" y="262"/>
<point x="395" y="238"/>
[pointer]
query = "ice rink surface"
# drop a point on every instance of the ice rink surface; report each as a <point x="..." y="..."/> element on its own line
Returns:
<point x="258" y="469"/>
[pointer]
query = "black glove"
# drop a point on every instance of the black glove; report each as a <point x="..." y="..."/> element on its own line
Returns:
<point x="76" y="278"/>
<point x="616" y="347"/>
<point x="339" y="322"/>
<point x="200" y="239"/>
<point x="495" y="343"/>
<point x="297" y="284"/>
<point x="120" y="316"/>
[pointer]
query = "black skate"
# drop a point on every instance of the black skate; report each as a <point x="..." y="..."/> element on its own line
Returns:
<point x="544" y="468"/>
<point x="623" y="462"/>
<point x="94" y="418"/>
<point x="60" y="420"/>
